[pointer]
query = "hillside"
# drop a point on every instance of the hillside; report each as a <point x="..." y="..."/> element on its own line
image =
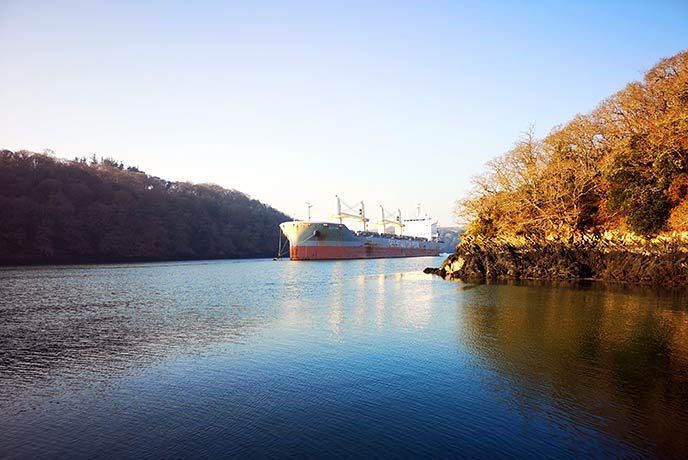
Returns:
<point x="62" y="211"/>
<point x="604" y="196"/>
<point x="623" y="167"/>
<point x="449" y="237"/>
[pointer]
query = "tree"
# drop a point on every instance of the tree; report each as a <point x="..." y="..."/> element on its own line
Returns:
<point x="622" y="166"/>
<point x="69" y="211"/>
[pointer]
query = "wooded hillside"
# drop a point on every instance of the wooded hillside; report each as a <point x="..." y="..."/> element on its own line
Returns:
<point x="623" y="167"/>
<point x="60" y="211"/>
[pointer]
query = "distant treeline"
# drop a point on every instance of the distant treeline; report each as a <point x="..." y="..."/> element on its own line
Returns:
<point x="61" y="211"/>
<point x="621" y="168"/>
<point x="449" y="238"/>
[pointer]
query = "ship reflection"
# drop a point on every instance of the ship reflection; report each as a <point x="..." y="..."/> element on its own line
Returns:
<point x="383" y="301"/>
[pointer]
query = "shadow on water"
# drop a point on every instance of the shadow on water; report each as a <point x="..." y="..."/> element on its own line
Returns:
<point x="616" y="353"/>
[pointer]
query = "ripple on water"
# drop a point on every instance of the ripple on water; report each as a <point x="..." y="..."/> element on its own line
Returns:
<point x="256" y="359"/>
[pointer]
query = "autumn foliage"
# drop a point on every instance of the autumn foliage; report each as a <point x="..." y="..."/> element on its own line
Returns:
<point x="59" y="211"/>
<point x="623" y="168"/>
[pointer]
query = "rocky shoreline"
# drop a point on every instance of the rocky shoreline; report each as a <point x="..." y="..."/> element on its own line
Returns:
<point x="662" y="261"/>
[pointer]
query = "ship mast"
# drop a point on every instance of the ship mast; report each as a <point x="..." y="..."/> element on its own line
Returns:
<point x="351" y="212"/>
<point x="389" y="219"/>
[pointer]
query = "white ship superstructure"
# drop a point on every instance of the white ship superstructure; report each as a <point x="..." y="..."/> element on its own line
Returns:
<point x="421" y="226"/>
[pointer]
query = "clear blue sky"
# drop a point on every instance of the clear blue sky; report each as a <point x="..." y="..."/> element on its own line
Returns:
<point x="389" y="102"/>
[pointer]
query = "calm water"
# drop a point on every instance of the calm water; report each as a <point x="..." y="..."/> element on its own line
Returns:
<point x="349" y="359"/>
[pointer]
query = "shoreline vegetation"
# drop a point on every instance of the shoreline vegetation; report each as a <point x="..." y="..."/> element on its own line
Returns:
<point x="603" y="197"/>
<point x="57" y="211"/>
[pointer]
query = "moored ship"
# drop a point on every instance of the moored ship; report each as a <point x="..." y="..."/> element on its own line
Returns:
<point x="334" y="240"/>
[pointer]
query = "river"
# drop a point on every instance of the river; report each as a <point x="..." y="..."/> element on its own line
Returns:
<point x="334" y="359"/>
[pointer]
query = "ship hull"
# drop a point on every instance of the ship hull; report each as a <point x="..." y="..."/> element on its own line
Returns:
<point x="331" y="241"/>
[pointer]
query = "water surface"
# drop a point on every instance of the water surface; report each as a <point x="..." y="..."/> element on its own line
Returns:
<point x="341" y="359"/>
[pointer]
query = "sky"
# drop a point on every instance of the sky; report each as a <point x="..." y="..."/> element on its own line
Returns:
<point x="389" y="102"/>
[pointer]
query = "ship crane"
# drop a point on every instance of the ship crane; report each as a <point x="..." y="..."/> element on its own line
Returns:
<point x="390" y="219"/>
<point x="351" y="212"/>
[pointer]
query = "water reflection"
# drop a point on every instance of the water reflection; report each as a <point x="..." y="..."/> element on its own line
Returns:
<point x="379" y="302"/>
<point x="615" y="358"/>
<point x="337" y="308"/>
<point x="84" y="324"/>
<point x="259" y="359"/>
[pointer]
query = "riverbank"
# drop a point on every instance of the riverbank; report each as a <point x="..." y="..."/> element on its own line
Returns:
<point x="660" y="261"/>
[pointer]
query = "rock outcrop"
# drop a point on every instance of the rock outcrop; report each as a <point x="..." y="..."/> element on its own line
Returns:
<point x="658" y="262"/>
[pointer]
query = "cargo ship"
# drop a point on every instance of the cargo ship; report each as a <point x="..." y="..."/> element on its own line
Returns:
<point x="395" y="237"/>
